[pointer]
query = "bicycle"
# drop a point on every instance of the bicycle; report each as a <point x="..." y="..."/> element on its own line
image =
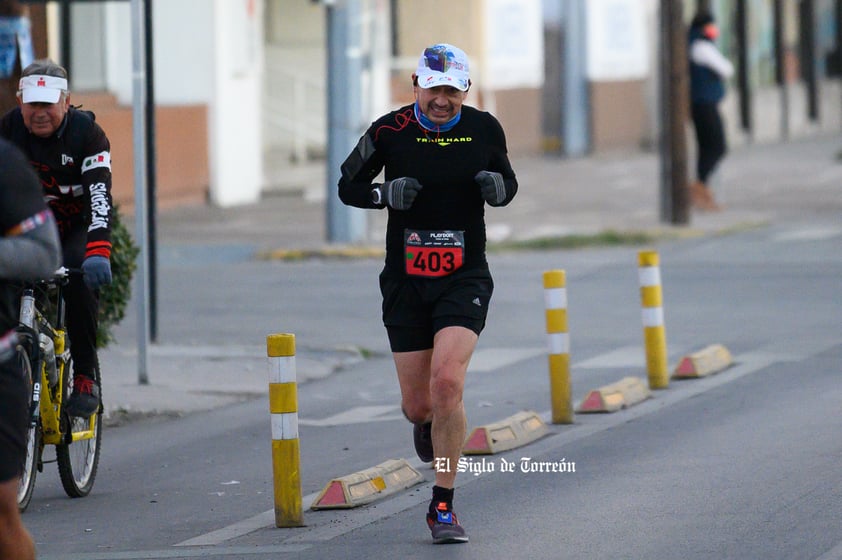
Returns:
<point x="43" y="352"/>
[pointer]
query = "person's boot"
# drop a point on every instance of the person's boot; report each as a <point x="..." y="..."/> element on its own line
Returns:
<point x="701" y="197"/>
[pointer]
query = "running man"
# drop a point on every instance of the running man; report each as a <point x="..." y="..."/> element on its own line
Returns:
<point x="443" y="163"/>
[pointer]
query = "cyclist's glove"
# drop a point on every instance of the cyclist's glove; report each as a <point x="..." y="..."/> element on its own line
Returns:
<point x="97" y="271"/>
<point x="491" y="186"/>
<point x="400" y="193"/>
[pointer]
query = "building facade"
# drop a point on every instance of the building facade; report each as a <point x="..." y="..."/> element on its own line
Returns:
<point x="241" y="91"/>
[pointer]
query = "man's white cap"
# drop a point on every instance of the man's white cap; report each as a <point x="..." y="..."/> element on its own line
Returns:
<point x="443" y="65"/>
<point x="39" y="88"/>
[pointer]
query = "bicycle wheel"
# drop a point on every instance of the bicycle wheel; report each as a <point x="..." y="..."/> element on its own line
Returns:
<point x="78" y="460"/>
<point x="33" y="439"/>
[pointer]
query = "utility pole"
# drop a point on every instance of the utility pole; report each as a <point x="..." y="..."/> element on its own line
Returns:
<point x="780" y="66"/>
<point x="151" y="172"/>
<point x="674" y="100"/>
<point x="140" y="187"/>
<point x="345" y="65"/>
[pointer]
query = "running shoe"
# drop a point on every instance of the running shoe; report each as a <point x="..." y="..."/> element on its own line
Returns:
<point x="445" y="527"/>
<point x="84" y="400"/>
<point x="422" y="435"/>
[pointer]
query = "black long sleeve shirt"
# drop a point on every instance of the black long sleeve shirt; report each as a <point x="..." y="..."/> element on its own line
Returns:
<point x="445" y="164"/>
<point x="74" y="165"/>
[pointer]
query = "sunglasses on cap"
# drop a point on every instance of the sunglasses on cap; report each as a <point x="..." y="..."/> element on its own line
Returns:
<point x="436" y="58"/>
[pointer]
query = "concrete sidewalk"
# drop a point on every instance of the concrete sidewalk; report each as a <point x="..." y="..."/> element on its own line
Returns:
<point x="797" y="182"/>
<point x="756" y="184"/>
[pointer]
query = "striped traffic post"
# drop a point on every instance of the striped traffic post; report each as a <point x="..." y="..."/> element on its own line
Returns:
<point x="555" y="304"/>
<point x="654" y="335"/>
<point x="283" y="406"/>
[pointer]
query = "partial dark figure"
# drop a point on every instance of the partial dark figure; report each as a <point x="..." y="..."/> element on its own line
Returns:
<point x="16" y="50"/>
<point x="72" y="157"/>
<point x="29" y="250"/>
<point x="443" y="163"/>
<point x="708" y="71"/>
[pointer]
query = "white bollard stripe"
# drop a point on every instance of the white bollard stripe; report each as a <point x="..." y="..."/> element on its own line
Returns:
<point x="653" y="316"/>
<point x="649" y="275"/>
<point x="285" y="426"/>
<point x="559" y="343"/>
<point x="555" y="298"/>
<point x="282" y="369"/>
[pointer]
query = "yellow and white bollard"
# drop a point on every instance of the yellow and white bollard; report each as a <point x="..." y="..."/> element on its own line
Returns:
<point x="283" y="406"/>
<point x="654" y="335"/>
<point x="555" y="304"/>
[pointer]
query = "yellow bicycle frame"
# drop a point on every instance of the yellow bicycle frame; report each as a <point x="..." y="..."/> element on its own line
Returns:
<point x="51" y="400"/>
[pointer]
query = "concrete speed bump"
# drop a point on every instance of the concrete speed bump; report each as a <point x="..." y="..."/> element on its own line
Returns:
<point x="365" y="486"/>
<point x="708" y="360"/>
<point x="515" y="431"/>
<point x="611" y="398"/>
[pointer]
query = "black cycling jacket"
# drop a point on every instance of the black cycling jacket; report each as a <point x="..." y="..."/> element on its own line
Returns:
<point x="74" y="165"/>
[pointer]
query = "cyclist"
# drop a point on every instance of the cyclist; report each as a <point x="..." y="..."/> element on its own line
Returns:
<point x="443" y="162"/>
<point x="29" y="249"/>
<point x="71" y="155"/>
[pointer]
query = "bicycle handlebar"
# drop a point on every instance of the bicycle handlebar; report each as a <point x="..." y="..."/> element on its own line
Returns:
<point x="65" y="271"/>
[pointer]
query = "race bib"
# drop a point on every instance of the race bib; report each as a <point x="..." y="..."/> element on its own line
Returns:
<point x="433" y="253"/>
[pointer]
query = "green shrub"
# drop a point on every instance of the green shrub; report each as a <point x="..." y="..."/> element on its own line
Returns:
<point x="114" y="297"/>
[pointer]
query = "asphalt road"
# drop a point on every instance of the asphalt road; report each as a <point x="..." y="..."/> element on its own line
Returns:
<point x="744" y="464"/>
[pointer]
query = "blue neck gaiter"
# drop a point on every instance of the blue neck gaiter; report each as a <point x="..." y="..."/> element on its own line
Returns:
<point x="433" y="127"/>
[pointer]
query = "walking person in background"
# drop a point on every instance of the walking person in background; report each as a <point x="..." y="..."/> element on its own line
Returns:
<point x="443" y="163"/>
<point x="72" y="156"/>
<point x="29" y="249"/>
<point x="708" y="71"/>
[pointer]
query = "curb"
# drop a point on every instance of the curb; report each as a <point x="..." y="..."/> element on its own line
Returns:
<point x="346" y="252"/>
<point x="515" y="431"/>
<point x="368" y="485"/>
<point x="600" y="238"/>
<point x="611" y="398"/>
<point x="709" y="360"/>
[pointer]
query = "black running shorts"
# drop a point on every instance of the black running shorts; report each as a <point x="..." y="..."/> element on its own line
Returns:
<point x="415" y="309"/>
<point x="13" y="420"/>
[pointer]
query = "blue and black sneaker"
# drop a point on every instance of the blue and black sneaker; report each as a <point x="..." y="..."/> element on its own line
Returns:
<point x="444" y="526"/>
<point x="422" y="435"/>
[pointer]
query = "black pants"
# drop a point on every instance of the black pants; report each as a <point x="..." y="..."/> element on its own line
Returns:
<point x="82" y="306"/>
<point x="710" y="138"/>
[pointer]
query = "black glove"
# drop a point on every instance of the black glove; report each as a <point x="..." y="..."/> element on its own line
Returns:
<point x="491" y="186"/>
<point x="400" y="193"/>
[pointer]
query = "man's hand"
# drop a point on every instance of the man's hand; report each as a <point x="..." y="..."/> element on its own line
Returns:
<point x="491" y="186"/>
<point x="400" y="193"/>
<point x="97" y="272"/>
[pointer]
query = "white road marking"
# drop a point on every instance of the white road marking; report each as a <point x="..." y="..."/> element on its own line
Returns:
<point x="817" y="233"/>
<point x="357" y="415"/>
<point x="240" y="528"/>
<point x="488" y="359"/>
<point x="626" y="356"/>
<point x="834" y="553"/>
<point x="745" y="365"/>
<point x="484" y="360"/>
<point x="234" y="551"/>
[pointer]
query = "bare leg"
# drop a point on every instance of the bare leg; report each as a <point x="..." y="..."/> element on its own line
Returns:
<point x="15" y="541"/>
<point x="431" y="384"/>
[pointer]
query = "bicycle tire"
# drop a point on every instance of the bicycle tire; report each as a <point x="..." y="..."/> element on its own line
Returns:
<point x="78" y="461"/>
<point x="33" y="439"/>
